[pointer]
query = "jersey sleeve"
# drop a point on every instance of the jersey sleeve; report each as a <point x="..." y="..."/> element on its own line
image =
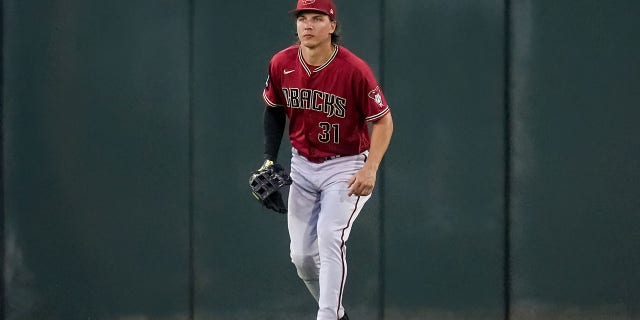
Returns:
<point x="272" y="93"/>
<point x="373" y="102"/>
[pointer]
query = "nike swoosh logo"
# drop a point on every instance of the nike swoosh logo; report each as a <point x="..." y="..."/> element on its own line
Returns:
<point x="288" y="71"/>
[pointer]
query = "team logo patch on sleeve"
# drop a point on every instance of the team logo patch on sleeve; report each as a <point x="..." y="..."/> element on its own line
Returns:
<point x="376" y="95"/>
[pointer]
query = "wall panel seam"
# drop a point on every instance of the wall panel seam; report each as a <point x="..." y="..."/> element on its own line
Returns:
<point x="507" y="132"/>
<point x="382" y="271"/>
<point x="191" y="191"/>
<point x="2" y="211"/>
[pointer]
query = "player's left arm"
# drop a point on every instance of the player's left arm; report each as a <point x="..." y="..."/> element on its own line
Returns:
<point x="362" y="183"/>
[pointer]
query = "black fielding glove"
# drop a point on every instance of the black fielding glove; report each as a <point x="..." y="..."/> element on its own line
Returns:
<point x="265" y="184"/>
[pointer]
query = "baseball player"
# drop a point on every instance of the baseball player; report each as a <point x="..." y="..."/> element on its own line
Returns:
<point x="340" y="126"/>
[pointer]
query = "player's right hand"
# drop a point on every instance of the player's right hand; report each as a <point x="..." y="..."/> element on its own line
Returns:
<point x="362" y="183"/>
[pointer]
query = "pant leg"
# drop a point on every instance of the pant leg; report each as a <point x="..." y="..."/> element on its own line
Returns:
<point x="304" y="207"/>
<point x="338" y="211"/>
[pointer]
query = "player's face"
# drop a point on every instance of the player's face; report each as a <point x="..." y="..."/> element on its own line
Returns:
<point x="314" y="29"/>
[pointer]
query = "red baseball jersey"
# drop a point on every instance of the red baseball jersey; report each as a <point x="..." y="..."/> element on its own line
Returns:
<point x="328" y="106"/>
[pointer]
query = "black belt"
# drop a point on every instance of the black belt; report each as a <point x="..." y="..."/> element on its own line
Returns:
<point x="322" y="159"/>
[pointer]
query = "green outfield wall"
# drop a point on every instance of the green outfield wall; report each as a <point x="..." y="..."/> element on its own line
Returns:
<point x="511" y="189"/>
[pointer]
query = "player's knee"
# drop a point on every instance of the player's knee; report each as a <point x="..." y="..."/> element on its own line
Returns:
<point x="308" y="266"/>
<point x="329" y="239"/>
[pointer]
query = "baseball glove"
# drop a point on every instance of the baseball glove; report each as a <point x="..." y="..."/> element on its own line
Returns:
<point x="265" y="184"/>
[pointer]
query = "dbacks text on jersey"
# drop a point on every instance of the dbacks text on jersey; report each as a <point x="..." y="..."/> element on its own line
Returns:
<point x="316" y="100"/>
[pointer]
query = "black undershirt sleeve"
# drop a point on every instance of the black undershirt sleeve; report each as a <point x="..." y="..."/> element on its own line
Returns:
<point x="275" y="120"/>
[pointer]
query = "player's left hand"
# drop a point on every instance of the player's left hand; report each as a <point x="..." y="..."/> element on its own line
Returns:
<point x="274" y="202"/>
<point x="362" y="183"/>
<point x="266" y="181"/>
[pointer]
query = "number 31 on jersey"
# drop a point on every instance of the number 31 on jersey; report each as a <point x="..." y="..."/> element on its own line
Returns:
<point x="329" y="132"/>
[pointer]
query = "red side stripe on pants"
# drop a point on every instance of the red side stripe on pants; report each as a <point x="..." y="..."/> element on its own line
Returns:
<point x="342" y="245"/>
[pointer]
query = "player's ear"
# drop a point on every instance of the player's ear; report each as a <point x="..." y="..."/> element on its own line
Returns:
<point x="334" y="25"/>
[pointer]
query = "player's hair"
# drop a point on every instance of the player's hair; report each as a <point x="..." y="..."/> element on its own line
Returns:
<point x="336" y="35"/>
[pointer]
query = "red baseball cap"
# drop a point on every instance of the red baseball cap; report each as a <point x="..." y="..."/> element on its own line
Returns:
<point x="325" y="6"/>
